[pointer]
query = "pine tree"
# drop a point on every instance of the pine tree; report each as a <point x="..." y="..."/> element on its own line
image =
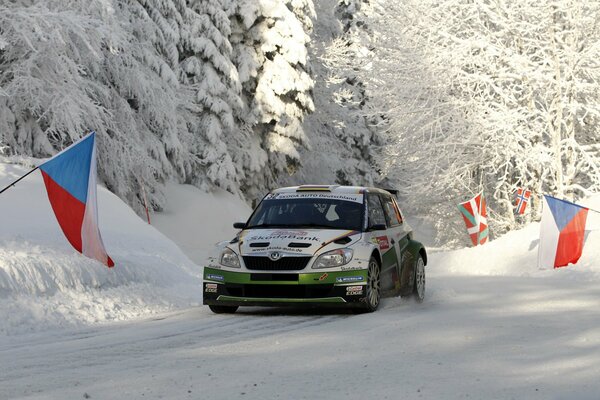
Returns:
<point x="69" y="67"/>
<point x="270" y="39"/>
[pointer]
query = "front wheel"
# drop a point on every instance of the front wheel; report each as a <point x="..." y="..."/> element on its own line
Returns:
<point x="223" y="309"/>
<point x="419" y="286"/>
<point x="373" y="295"/>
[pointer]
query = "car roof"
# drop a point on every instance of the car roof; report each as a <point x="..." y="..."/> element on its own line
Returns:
<point x="330" y="188"/>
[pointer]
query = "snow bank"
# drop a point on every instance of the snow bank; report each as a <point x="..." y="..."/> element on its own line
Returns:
<point x="196" y="220"/>
<point x="45" y="283"/>
<point x="515" y="254"/>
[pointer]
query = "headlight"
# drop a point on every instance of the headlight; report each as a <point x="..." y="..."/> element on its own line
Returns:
<point x="229" y="258"/>
<point x="334" y="258"/>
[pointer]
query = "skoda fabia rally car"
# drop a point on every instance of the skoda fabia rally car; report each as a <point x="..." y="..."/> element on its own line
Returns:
<point x="317" y="245"/>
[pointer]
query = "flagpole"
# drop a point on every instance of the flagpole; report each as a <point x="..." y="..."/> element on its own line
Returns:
<point x="15" y="182"/>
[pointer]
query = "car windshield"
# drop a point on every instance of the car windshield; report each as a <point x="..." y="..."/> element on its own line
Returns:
<point x="302" y="212"/>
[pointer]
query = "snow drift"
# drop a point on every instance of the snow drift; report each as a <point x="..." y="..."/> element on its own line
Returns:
<point x="44" y="282"/>
<point x="515" y="254"/>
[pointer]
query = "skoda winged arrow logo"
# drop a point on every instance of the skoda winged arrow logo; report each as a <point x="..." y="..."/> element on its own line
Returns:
<point x="275" y="255"/>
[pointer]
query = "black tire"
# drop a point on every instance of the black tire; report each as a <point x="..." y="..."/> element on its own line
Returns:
<point x="419" y="283"/>
<point x="223" y="309"/>
<point x="373" y="288"/>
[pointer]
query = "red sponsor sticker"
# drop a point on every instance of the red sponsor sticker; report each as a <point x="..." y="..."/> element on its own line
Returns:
<point x="384" y="243"/>
<point x="323" y="277"/>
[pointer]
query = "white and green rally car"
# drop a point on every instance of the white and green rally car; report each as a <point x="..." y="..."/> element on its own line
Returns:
<point x="317" y="245"/>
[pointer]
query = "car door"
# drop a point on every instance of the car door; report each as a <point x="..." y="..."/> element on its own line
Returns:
<point x="378" y="226"/>
<point x="398" y="240"/>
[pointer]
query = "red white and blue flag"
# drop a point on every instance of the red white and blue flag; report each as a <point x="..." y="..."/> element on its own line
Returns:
<point x="523" y="196"/>
<point x="562" y="233"/>
<point x="70" y="179"/>
<point x="474" y="213"/>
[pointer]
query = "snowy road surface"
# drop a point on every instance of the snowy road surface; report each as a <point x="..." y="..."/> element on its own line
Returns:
<point x="475" y="337"/>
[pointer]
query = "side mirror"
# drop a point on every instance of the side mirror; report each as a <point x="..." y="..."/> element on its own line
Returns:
<point x="239" y="225"/>
<point x="377" y="227"/>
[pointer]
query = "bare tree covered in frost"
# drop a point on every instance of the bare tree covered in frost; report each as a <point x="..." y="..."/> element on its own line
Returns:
<point x="64" y="73"/>
<point x="487" y="95"/>
<point x="269" y="39"/>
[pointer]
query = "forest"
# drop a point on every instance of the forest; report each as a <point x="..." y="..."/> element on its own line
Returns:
<point x="438" y="99"/>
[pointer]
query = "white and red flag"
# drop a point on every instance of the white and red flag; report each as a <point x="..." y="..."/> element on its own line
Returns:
<point x="70" y="178"/>
<point x="523" y="196"/>
<point x="474" y="213"/>
<point x="562" y="233"/>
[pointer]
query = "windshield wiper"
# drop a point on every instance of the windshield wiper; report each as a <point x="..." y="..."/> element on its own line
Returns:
<point x="268" y="226"/>
<point x="322" y="226"/>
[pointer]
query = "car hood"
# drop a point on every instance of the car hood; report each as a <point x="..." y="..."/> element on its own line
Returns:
<point x="293" y="241"/>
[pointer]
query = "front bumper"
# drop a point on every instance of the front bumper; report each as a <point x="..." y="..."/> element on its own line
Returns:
<point x="345" y="288"/>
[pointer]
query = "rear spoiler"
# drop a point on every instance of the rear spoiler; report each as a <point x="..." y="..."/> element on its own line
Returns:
<point x="392" y="191"/>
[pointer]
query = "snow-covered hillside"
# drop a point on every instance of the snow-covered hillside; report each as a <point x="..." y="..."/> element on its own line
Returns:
<point x="196" y="220"/>
<point x="45" y="283"/>
<point x="515" y="254"/>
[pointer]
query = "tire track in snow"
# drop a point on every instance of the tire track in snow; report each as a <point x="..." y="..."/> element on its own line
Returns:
<point x="139" y="342"/>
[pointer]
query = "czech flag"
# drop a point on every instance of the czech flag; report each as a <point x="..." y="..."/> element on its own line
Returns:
<point x="562" y="233"/>
<point x="474" y="213"/>
<point x="70" y="179"/>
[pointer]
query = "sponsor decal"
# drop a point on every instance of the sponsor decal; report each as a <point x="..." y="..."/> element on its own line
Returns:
<point x="324" y="276"/>
<point x="354" y="290"/>
<point x="383" y="242"/>
<point x="354" y="197"/>
<point x="215" y="277"/>
<point x="349" y="279"/>
<point x="210" y="288"/>
<point x="351" y="268"/>
<point x="294" y="235"/>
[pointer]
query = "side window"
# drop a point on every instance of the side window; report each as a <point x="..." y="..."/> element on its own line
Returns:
<point x="391" y="212"/>
<point x="376" y="215"/>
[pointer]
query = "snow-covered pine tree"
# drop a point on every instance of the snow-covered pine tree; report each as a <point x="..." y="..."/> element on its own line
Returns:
<point x="206" y="67"/>
<point x="68" y="67"/>
<point x="270" y="39"/>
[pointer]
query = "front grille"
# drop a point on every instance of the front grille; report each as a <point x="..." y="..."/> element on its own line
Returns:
<point x="279" y="291"/>
<point x="274" y="277"/>
<point x="283" y="264"/>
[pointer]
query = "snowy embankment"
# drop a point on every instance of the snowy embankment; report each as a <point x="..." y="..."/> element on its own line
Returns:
<point x="45" y="283"/>
<point x="515" y="254"/>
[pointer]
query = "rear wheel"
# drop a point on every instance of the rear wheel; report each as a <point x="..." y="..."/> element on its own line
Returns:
<point x="373" y="295"/>
<point x="419" y="286"/>
<point x="223" y="309"/>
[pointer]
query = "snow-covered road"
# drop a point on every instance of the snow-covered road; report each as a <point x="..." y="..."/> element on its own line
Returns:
<point x="487" y="337"/>
<point x="493" y="325"/>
